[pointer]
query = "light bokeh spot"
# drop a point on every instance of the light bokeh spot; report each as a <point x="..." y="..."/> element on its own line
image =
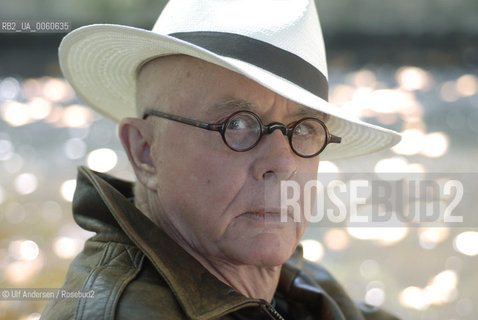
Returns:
<point x="313" y="250"/>
<point x="467" y="243"/>
<point x="435" y="145"/>
<point x="67" y="189"/>
<point x="25" y="183"/>
<point x="66" y="247"/>
<point x="413" y="78"/>
<point x="375" y="297"/>
<point x="102" y="160"/>
<point x="336" y="239"/>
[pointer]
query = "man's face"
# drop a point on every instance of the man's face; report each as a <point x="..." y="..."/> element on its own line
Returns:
<point x="210" y="198"/>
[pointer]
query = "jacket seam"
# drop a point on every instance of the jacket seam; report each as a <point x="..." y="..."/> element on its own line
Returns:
<point x="89" y="281"/>
<point x="118" y="287"/>
<point x="118" y="290"/>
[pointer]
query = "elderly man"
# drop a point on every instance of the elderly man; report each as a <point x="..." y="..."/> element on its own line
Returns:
<point x="230" y="101"/>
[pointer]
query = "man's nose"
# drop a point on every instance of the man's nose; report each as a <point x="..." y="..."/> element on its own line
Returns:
<point x="275" y="157"/>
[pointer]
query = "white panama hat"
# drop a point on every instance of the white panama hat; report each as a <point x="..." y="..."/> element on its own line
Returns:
<point x="276" y="43"/>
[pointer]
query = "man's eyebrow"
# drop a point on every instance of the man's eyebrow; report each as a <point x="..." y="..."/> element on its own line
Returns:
<point x="305" y="112"/>
<point x="232" y="105"/>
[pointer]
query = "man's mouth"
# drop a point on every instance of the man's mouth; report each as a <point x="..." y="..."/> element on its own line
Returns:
<point x="273" y="216"/>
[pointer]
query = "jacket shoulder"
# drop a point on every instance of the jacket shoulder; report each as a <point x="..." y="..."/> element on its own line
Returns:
<point x="148" y="297"/>
<point x="109" y="277"/>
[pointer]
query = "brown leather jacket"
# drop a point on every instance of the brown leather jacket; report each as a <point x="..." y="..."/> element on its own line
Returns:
<point x="135" y="271"/>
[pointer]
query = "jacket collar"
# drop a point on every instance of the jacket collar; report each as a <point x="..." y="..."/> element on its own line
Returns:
<point x="101" y="205"/>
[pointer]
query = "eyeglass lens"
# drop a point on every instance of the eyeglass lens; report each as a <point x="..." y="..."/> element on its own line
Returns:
<point x="308" y="137"/>
<point x="243" y="131"/>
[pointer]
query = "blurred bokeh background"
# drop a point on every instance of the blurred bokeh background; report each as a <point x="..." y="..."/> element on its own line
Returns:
<point x="410" y="65"/>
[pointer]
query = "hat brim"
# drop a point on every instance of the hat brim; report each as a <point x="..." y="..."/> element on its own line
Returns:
<point x="101" y="61"/>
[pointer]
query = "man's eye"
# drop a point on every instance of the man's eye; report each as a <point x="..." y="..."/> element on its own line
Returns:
<point x="304" y="130"/>
<point x="237" y="124"/>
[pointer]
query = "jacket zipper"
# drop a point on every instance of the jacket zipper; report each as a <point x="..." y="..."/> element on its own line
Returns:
<point x="273" y="312"/>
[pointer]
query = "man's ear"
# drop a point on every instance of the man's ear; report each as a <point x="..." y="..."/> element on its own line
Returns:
<point x="137" y="136"/>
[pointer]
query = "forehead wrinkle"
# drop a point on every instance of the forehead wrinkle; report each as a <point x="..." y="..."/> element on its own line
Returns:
<point x="233" y="105"/>
<point x="230" y="106"/>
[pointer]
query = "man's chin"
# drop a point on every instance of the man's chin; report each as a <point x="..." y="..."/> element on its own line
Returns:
<point x="269" y="249"/>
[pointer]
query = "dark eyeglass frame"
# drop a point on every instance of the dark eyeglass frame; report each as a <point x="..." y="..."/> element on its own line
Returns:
<point x="265" y="129"/>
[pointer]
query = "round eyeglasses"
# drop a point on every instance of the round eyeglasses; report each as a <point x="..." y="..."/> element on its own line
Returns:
<point x="243" y="130"/>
